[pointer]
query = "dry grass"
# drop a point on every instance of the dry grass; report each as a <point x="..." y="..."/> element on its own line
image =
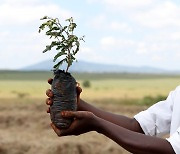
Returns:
<point x="106" y="89"/>
<point x="24" y="123"/>
<point x="24" y="129"/>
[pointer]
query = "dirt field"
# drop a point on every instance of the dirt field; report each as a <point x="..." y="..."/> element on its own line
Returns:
<point x="25" y="125"/>
<point x="25" y="129"/>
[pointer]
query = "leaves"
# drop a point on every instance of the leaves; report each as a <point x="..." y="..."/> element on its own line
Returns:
<point x="47" y="48"/>
<point x="59" y="63"/>
<point x="45" y="17"/>
<point x="59" y="54"/>
<point x="64" y="40"/>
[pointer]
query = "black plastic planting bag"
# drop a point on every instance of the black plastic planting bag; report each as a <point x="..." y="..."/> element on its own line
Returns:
<point x="65" y="97"/>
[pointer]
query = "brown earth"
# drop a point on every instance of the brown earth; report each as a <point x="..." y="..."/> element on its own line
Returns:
<point x="25" y="129"/>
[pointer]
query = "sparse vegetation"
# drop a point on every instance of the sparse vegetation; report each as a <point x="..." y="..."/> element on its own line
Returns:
<point x="149" y="100"/>
<point x="86" y="84"/>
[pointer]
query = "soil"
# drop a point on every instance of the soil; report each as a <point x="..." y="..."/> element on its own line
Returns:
<point x="64" y="90"/>
<point x="25" y="129"/>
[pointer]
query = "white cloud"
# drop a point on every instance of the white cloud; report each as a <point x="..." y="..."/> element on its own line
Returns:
<point x="86" y="50"/>
<point x="161" y="15"/>
<point x="141" y="48"/>
<point x="21" y="49"/>
<point x="89" y="54"/>
<point x="127" y="4"/>
<point x="116" y="43"/>
<point x="21" y="13"/>
<point x="157" y="58"/>
<point x="91" y="1"/>
<point x="101" y="22"/>
<point x="98" y="22"/>
<point x="108" y="41"/>
<point x="175" y="36"/>
<point x="148" y="13"/>
<point x="117" y="26"/>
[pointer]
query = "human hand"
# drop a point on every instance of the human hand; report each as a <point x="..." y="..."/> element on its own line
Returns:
<point x="84" y="122"/>
<point x="49" y="93"/>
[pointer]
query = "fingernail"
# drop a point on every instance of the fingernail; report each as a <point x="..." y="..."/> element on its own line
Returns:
<point x="50" y="81"/>
<point x="50" y="94"/>
<point x="47" y="91"/>
<point x="49" y="102"/>
<point x="62" y="113"/>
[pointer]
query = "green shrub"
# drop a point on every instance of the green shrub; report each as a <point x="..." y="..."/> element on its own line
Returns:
<point x="86" y="84"/>
<point x="150" y="100"/>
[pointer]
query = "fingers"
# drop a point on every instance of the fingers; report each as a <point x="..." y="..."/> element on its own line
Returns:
<point x="49" y="93"/>
<point x="78" y="89"/>
<point x="57" y="131"/>
<point x="49" y="101"/>
<point x="48" y="110"/>
<point x="50" y="80"/>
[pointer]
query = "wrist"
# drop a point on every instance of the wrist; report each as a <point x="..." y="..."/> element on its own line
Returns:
<point x="97" y="124"/>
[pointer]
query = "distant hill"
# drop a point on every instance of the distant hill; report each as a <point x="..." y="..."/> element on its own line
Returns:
<point x="82" y="66"/>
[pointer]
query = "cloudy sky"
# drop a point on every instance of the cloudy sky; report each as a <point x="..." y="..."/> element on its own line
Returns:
<point x="125" y="32"/>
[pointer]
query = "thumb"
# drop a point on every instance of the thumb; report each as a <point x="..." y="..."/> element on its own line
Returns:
<point x="71" y="114"/>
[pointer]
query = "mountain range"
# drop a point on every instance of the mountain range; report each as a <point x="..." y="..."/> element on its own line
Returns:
<point x="83" y="66"/>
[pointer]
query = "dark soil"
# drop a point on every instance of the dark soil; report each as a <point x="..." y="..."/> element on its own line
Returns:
<point x="64" y="90"/>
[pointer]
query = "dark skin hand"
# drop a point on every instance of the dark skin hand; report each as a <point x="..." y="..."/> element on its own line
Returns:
<point x="126" y="131"/>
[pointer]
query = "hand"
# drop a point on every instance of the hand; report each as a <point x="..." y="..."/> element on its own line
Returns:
<point x="49" y="93"/>
<point x="84" y="122"/>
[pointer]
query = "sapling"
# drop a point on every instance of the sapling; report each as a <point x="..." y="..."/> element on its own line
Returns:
<point x="66" y="45"/>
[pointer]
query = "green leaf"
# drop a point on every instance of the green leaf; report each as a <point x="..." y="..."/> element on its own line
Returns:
<point x="70" y="19"/>
<point x="77" y="49"/>
<point x="63" y="29"/>
<point x="58" y="55"/>
<point x="47" y="49"/>
<point x="45" y="17"/>
<point x="59" y="63"/>
<point x="72" y="26"/>
<point x="55" y="28"/>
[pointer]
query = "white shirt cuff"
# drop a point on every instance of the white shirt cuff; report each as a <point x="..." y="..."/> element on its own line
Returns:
<point x="146" y="123"/>
<point x="174" y="140"/>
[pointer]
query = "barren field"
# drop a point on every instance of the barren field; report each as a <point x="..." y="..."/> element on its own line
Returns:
<point x="25" y="129"/>
<point x="25" y="125"/>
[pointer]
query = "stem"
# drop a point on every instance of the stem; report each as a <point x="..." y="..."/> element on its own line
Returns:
<point x="67" y="69"/>
<point x="68" y="60"/>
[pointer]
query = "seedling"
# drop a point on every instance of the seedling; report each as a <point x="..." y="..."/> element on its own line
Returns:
<point x="64" y="41"/>
<point x="64" y="85"/>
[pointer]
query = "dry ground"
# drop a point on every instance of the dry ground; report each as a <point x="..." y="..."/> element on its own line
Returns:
<point x="24" y="129"/>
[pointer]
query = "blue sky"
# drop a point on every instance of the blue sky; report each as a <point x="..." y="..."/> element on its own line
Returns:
<point x="135" y="33"/>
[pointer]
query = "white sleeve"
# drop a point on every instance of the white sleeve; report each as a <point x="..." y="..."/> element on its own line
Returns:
<point x="174" y="140"/>
<point x="156" y="120"/>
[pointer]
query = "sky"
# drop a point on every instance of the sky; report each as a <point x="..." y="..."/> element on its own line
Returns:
<point x="131" y="32"/>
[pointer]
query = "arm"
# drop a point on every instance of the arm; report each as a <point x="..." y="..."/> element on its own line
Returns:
<point x="123" y="121"/>
<point x="132" y="141"/>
